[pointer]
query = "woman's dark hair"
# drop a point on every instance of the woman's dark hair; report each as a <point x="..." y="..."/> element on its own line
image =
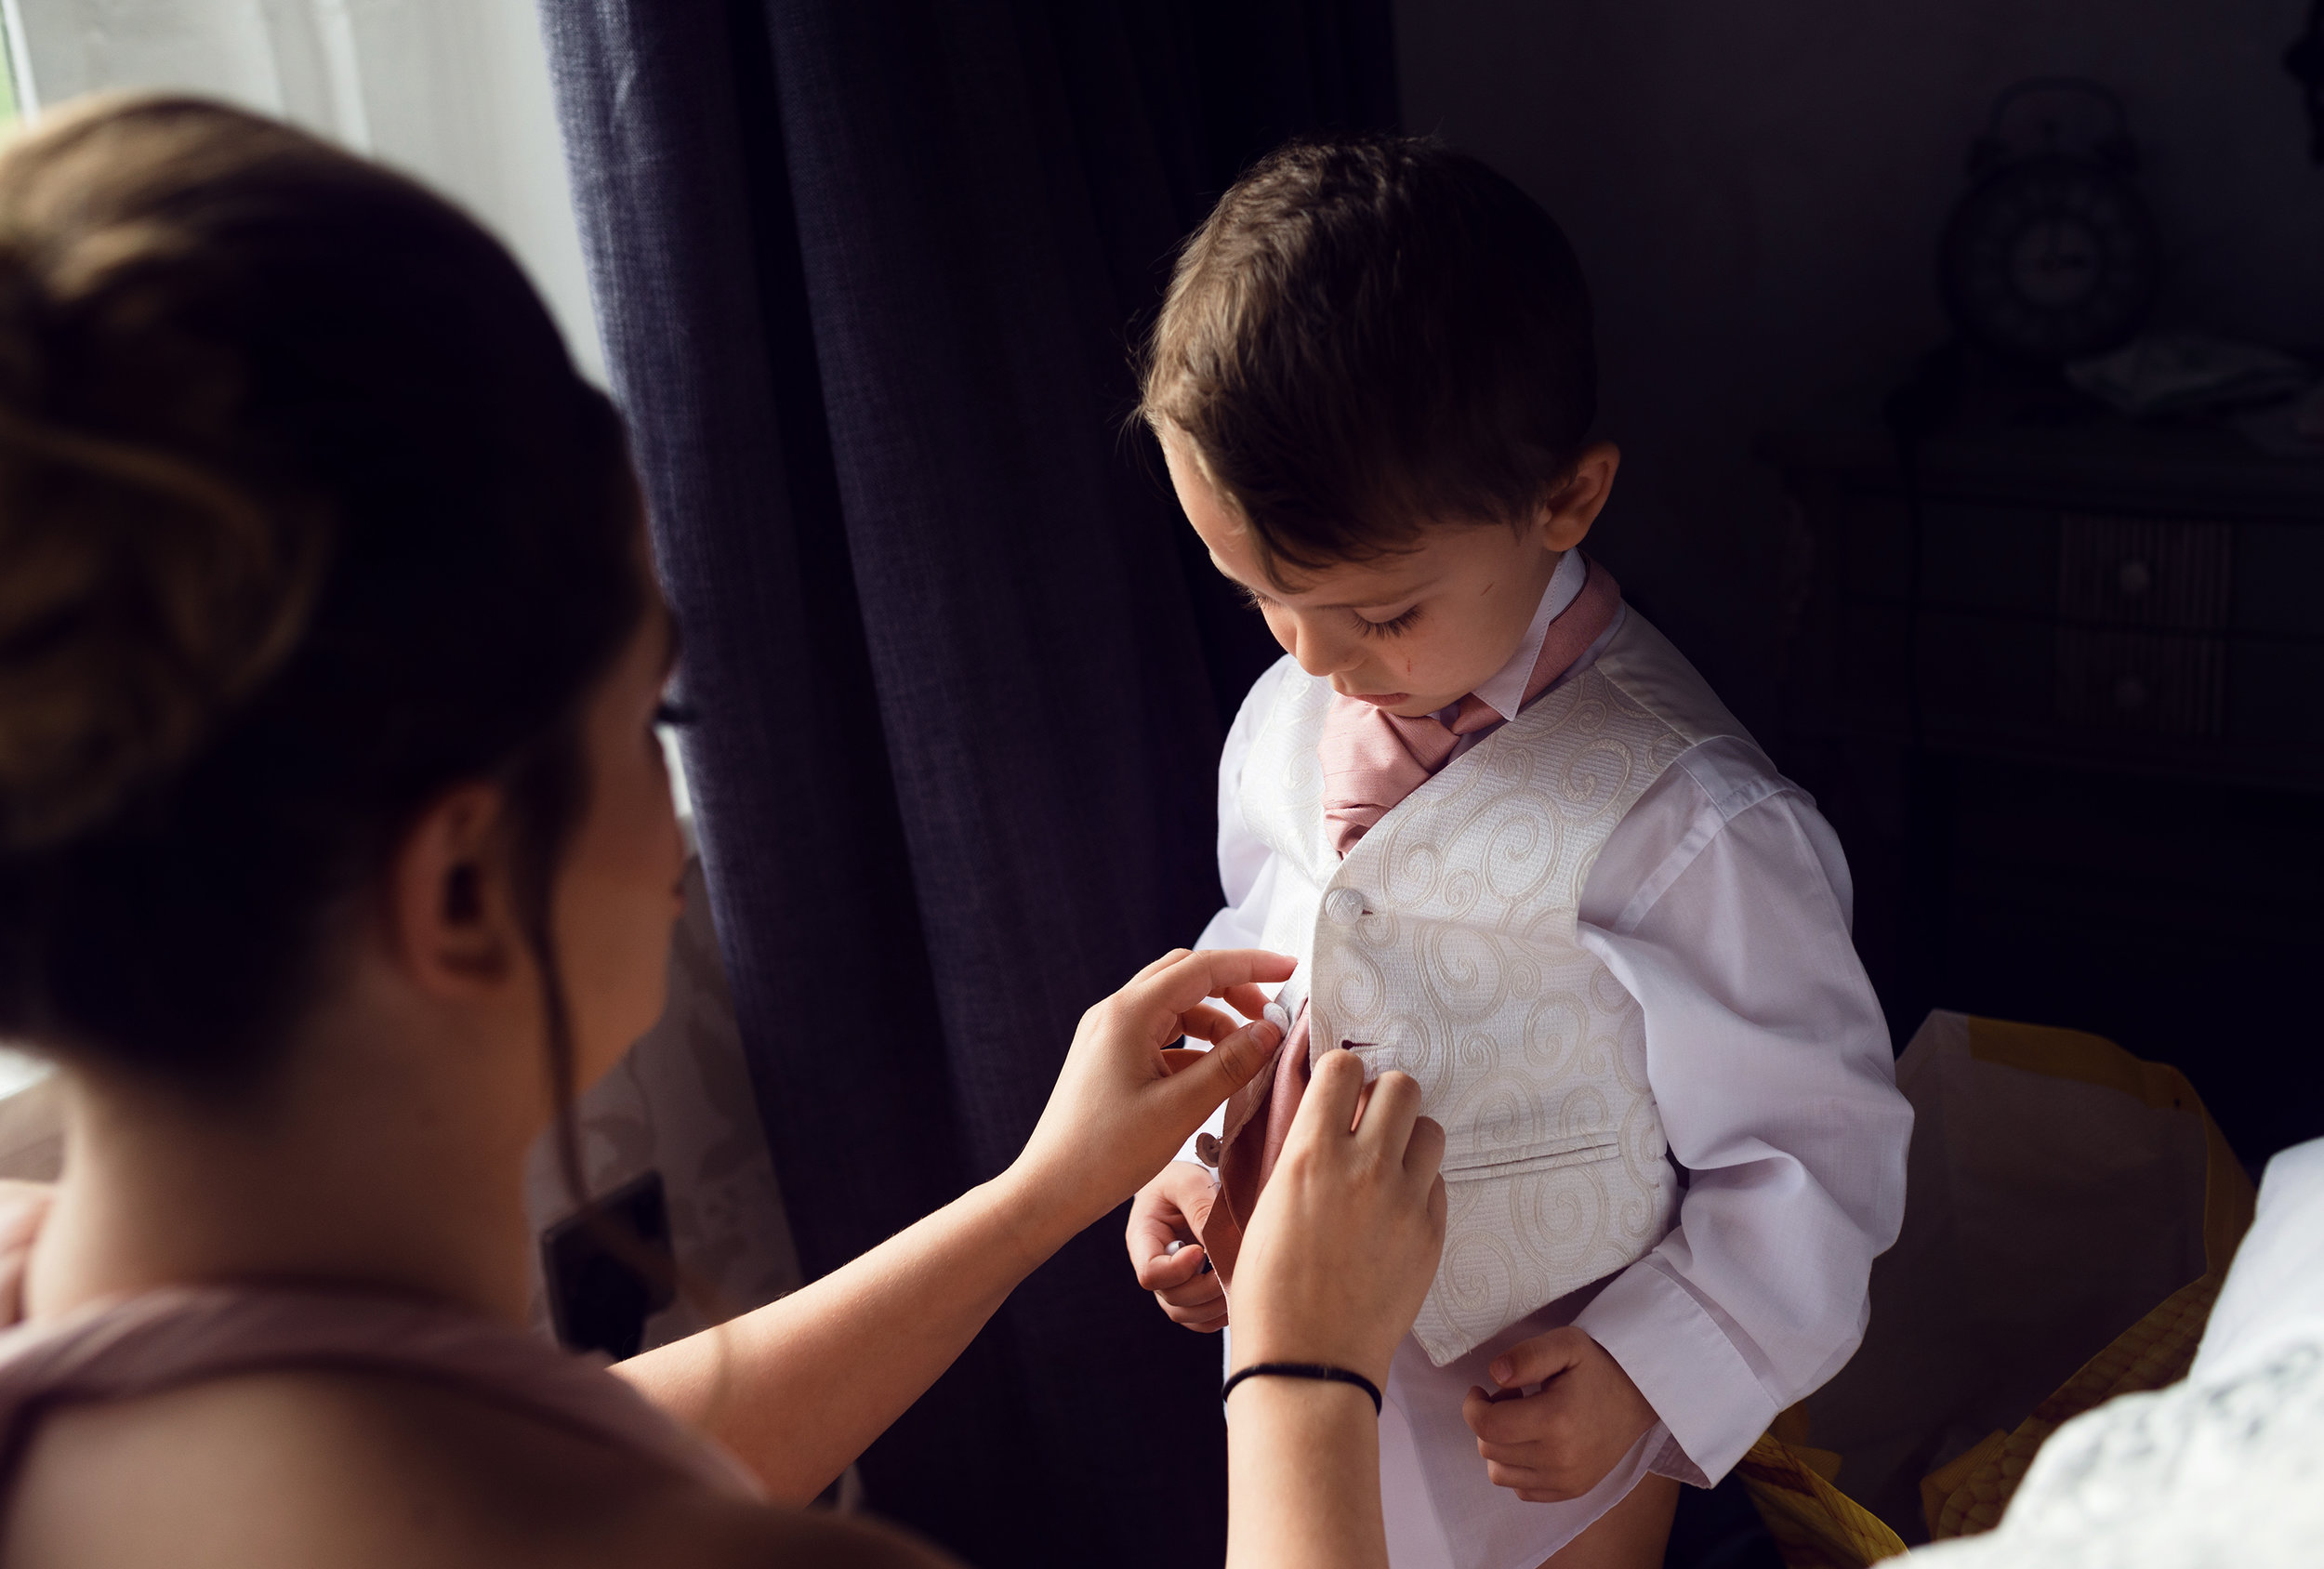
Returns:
<point x="305" y="517"/>
<point x="1368" y="336"/>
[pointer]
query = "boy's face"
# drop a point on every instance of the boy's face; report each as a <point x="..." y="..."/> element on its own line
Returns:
<point x="1417" y="631"/>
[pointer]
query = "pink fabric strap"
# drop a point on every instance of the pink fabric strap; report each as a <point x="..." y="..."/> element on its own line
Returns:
<point x="1258" y="1119"/>
<point x="162" y="1340"/>
<point x="1372" y="760"/>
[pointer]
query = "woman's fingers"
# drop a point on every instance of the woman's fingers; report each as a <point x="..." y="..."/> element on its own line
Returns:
<point x="1183" y="980"/>
<point x="1245" y="999"/>
<point x="1424" y="1154"/>
<point x="1335" y="1088"/>
<point x="1164" y="962"/>
<point x="1381" y="1114"/>
<point x="1120" y="1106"/>
<point x="1207" y="1023"/>
<point x="1214" y="1074"/>
<point x="1338" y="1257"/>
<point x="1387" y="1117"/>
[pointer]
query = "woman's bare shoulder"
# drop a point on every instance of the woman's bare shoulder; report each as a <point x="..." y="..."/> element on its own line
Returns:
<point x="357" y="1471"/>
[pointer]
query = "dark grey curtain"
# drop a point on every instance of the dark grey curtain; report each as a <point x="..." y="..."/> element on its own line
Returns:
<point x="867" y="271"/>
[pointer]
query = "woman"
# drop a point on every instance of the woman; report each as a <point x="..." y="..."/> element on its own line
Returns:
<point x="336" y="856"/>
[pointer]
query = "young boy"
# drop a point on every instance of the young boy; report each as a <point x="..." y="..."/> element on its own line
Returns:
<point x="1524" y="854"/>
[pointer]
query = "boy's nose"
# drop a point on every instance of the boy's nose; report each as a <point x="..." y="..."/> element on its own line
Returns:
<point x="1321" y="654"/>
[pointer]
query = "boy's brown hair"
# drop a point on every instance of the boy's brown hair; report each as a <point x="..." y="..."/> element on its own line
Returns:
<point x="1370" y="335"/>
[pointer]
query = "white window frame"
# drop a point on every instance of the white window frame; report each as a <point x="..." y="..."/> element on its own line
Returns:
<point x="453" y="91"/>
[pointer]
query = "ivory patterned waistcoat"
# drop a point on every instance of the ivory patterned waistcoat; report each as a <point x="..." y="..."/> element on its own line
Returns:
<point x="1444" y="946"/>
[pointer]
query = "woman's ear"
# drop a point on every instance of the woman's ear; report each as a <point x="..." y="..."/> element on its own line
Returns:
<point x="449" y="914"/>
<point x="1569" y="511"/>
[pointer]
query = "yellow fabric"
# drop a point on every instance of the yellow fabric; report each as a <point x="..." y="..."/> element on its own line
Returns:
<point x="1951" y="1482"/>
<point x="1964" y="1498"/>
<point x="1817" y="1526"/>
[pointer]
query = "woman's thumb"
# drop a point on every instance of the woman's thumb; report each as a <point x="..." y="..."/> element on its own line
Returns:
<point x="1229" y="1065"/>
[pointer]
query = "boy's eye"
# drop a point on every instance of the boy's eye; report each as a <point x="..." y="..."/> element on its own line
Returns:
<point x="1365" y="627"/>
<point x="1390" y="627"/>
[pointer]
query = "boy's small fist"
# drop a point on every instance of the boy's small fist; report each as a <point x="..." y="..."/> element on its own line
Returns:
<point x="1560" y="1442"/>
<point x="1173" y="1208"/>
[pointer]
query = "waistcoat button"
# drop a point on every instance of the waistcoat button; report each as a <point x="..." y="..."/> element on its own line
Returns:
<point x="1276" y="1014"/>
<point x="1344" y="906"/>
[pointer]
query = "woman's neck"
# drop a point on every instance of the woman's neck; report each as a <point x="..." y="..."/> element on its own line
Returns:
<point x="365" y="1167"/>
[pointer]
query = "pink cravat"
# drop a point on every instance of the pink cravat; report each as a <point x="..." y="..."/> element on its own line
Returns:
<point x="1372" y="760"/>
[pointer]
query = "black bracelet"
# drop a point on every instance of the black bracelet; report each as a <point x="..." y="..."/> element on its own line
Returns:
<point x="1302" y="1370"/>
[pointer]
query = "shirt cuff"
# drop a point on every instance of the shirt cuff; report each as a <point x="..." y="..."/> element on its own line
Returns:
<point x="1693" y="1375"/>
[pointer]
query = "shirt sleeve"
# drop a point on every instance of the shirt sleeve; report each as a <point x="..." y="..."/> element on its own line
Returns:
<point x="1247" y="867"/>
<point x="1723" y="903"/>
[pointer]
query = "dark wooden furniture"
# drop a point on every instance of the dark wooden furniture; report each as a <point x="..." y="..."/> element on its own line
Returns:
<point x="2060" y="685"/>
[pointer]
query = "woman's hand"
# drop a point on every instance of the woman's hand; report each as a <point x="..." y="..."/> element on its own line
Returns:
<point x="799" y="1386"/>
<point x="1124" y="1102"/>
<point x="1336" y="1263"/>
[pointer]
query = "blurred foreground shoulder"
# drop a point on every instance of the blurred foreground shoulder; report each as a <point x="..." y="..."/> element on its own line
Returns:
<point x="355" y="1471"/>
<point x="756" y="1537"/>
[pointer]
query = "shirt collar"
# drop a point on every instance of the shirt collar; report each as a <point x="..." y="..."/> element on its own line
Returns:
<point x="1504" y="691"/>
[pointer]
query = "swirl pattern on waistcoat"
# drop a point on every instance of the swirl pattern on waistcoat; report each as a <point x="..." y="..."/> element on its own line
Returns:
<point x="1455" y="959"/>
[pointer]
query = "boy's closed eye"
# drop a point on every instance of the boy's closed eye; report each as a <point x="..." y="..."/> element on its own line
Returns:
<point x="1367" y="626"/>
<point x="1393" y="626"/>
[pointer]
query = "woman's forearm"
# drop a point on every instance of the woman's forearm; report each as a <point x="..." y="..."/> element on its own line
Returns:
<point x="1303" y="1477"/>
<point x="800" y="1388"/>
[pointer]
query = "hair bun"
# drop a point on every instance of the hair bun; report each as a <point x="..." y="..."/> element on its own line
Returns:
<point x="141" y="596"/>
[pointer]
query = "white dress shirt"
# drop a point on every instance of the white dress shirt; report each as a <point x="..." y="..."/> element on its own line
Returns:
<point x="1723" y="903"/>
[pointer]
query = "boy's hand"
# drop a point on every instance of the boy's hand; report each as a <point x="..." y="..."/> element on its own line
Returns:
<point x="1173" y="1208"/>
<point x="1559" y="1443"/>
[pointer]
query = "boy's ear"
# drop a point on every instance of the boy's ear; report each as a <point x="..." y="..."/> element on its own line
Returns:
<point x="1568" y="511"/>
<point x="449" y="914"/>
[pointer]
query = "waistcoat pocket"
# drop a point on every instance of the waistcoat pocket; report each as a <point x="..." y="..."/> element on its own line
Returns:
<point x="1542" y="1154"/>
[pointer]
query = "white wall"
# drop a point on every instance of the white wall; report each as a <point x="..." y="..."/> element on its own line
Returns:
<point x="453" y="91"/>
<point x="1756" y="191"/>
